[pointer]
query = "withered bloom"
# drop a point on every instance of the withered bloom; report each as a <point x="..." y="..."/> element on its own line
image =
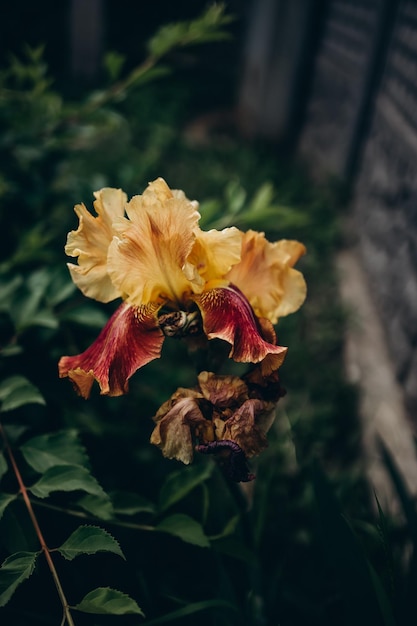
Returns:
<point x="224" y="415"/>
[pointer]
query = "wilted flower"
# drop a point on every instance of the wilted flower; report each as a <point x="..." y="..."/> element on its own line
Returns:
<point x="223" y="415"/>
<point x="175" y="280"/>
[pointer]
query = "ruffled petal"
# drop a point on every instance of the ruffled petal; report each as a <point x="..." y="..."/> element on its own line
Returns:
<point x="215" y="252"/>
<point x="130" y="339"/>
<point x="146" y="260"/>
<point x="90" y="243"/>
<point x="248" y="425"/>
<point x="175" y="430"/>
<point x="266" y="276"/>
<point x="222" y="391"/>
<point x="228" y="315"/>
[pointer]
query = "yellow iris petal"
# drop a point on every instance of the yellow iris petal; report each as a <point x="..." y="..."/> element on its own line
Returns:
<point x="146" y="260"/>
<point x="266" y="276"/>
<point x="90" y="244"/>
<point x="215" y="252"/>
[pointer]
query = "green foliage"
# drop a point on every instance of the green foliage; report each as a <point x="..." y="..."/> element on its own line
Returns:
<point x="204" y="29"/>
<point x="17" y="391"/>
<point x="107" y="601"/>
<point x="52" y="449"/>
<point x="192" y="545"/>
<point x="15" y="569"/>
<point x="89" y="540"/>
<point x="179" y="484"/>
<point x="347" y="557"/>
<point x="185" y="528"/>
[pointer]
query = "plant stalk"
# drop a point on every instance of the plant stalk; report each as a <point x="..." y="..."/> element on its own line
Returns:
<point x="45" y="549"/>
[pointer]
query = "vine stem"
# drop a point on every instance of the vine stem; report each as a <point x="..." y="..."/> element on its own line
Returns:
<point x="45" y="549"/>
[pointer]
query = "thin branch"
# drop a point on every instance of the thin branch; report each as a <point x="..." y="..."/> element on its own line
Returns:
<point x="23" y="490"/>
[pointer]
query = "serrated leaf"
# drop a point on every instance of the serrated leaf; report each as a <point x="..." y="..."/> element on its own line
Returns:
<point x="190" y="609"/>
<point x="180" y="483"/>
<point x="5" y="500"/>
<point x="66" y="478"/>
<point x="99" y="506"/>
<point x="89" y="540"/>
<point x="15" y="569"/>
<point x="52" y="449"/>
<point x="106" y="601"/>
<point x="185" y="528"/>
<point x="17" y="391"/>
<point x="3" y="465"/>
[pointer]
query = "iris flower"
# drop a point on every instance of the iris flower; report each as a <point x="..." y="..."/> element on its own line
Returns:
<point x="224" y="415"/>
<point x="175" y="279"/>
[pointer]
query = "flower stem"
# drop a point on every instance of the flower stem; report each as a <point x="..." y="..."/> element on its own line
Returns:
<point x="23" y="490"/>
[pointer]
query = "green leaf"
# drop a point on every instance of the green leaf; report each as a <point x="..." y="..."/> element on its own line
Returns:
<point x="86" y="315"/>
<point x="186" y="528"/>
<point x="3" y="465"/>
<point x="190" y="609"/>
<point x="5" y="499"/>
<point x="52" y="449"/>
<point x="44" y="318"/>
<point x="11" y="350"/>
<point x="205" y="28"/>
<point x="180" y="483"/>
<point x="408" y="609"/>
<point x="405" y="498"/>
<point x="27" y="307"/>
<point x="262" y="198"/>
<point x="59" y="289"/>
<point x="15" y="569"/>
<point x="383" y="599"/>
<point x="235" y="197"/>
<point x="228" y="529"/>
<point x="66" y="478"/>
<point x="235" y="548"/>
<point x="346" y="557"/>
<point x="7" y="291"/>
<point x="89" y="540"/>
<point x="106" y="601"/>
<point x="99" y="506"/>
<point x="113" y="63"/>
<point x="126" y="503"/>
<point x="17" y="391"/>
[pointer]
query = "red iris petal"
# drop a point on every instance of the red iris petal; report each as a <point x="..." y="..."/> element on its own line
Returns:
<point x="228" y="315"/>
<point x="130" y="339"/>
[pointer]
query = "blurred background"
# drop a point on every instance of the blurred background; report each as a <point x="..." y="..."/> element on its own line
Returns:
<point x="298" y="120"/>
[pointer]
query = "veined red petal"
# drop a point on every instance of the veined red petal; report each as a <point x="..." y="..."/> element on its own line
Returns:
<point x="130" y="339"/>
<point x="228" y="315"/>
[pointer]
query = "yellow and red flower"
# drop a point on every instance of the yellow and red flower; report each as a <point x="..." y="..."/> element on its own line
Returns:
<point x="175" y="279"/>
